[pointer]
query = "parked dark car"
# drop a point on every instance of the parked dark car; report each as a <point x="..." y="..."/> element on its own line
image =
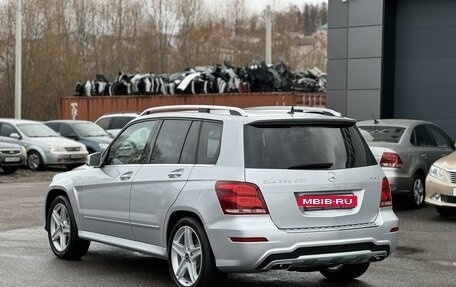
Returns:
<point x="406" y="149"/>
<point x="12" y="156"/>
<point x="91" y="135"/>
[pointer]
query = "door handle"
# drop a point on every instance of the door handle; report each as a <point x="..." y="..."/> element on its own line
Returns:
<point x="176" y="173"/>
<point x="126" y="176"/>
<point x="424" y="155"/>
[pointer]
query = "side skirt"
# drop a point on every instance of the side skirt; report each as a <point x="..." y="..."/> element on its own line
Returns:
<point x="154" y="250"/>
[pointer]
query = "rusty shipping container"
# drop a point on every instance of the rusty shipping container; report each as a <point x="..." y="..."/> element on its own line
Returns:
<point x="90" y="108"/>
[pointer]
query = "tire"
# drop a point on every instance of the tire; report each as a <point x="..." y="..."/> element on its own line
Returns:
<point x="417" y="192"/>
<point x="446" y="211"/>
<point x="34" y="160"/>
<point x="66" y="244"/>
<point x="9" y="169"/>
<point x="197" y="255"/>
<point x="345" y="272"/>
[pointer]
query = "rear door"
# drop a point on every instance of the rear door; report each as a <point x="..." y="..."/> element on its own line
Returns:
<point x="292" y="163"/>
<point x="425" y="145"/>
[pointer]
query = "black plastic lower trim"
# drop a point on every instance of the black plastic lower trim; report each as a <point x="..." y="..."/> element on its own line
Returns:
<point x="323" y="250"/>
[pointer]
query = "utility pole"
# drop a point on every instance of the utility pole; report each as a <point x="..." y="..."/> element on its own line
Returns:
<point x="18" y="58"/>
<point x="268" y="35"/>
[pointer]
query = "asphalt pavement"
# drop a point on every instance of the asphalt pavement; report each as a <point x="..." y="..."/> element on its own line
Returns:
<point x="426" y="255"/>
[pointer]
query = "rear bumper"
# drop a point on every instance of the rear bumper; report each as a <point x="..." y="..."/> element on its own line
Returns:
<point x="310" y="249"/>
<point x="399" y="183"/>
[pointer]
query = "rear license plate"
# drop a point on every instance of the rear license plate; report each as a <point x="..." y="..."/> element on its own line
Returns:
<point x="315" y="202"/>
<point x="12" y="159"/>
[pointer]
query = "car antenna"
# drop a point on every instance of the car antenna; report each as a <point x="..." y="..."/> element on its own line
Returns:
<point x="292" y="111"/>
<point x="375" y="120"/>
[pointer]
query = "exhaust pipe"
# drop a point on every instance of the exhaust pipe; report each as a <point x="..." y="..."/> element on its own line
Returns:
<point x="280" y="266"/>
<point x="378" y="258"/>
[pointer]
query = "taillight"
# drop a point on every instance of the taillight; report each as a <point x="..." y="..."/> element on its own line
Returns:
<point x="240" y="198"/>
<point x="391" y="159"/>
<point x="386" y="199"/>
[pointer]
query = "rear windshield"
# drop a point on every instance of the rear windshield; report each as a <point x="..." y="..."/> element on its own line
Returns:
<point x="305" y="147"/>
<point x="388" y="134"/>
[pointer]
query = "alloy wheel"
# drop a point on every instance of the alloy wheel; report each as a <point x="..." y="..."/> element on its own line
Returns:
<point x="186" y="256"/>
<point x="33" y="161"/>
<point x="60" y="227"/>
<point x="418" y="191"/>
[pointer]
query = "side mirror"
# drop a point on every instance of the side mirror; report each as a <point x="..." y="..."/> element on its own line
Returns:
<point x="15" y="136"/>
<point x="94" y="159"/>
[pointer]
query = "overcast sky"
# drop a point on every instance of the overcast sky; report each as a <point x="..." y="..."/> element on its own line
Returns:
<point x="259" y="5"/>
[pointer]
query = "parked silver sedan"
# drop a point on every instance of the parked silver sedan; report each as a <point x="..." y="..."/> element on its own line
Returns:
<point x="406" y="150"/>
<point x="44" y="146"/>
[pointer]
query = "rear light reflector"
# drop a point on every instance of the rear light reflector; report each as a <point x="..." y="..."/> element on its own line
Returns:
<point x="248" y="239"/>
<point x="240" y="198"/>
<point x="386" y="199"/>
<point x="394" y="229"/>
<point x="391" y="159"/>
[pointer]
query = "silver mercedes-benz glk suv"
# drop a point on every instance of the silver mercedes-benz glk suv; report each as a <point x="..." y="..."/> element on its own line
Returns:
<point x="216" y="190"/>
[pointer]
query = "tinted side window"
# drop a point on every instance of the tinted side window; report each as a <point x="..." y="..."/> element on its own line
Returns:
<point x="104" y="123"/>
<point x="423" y="138"/>
<point x="188" y="155"/>
<point x="131" y="146"/>
<point x="170" y="140"/>
<point x="119" y="122"/>
<point x="54" y="126"/>
<point x="209" y="143"/>
<point x="6" y="130"/>
<point x="66" y="130"/>
<point x="441" y="139"/>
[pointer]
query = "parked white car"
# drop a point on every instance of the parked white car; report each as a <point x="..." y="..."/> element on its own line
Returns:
<point x="44" y="146"/>
<point x="113" y="123"/>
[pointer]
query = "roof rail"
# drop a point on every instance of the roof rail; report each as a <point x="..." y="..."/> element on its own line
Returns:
<point x="199" y="108"/>
<point x="121" y="112"/>
<point x="297" y="109"/>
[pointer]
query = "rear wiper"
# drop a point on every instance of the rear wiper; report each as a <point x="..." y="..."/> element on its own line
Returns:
<point x="316" y="165"/>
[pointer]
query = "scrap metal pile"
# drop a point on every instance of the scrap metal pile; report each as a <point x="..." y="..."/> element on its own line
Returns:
<point x="215" y="79"/>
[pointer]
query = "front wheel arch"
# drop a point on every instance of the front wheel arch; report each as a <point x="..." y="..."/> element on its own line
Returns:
<point x="51" y="196"/>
